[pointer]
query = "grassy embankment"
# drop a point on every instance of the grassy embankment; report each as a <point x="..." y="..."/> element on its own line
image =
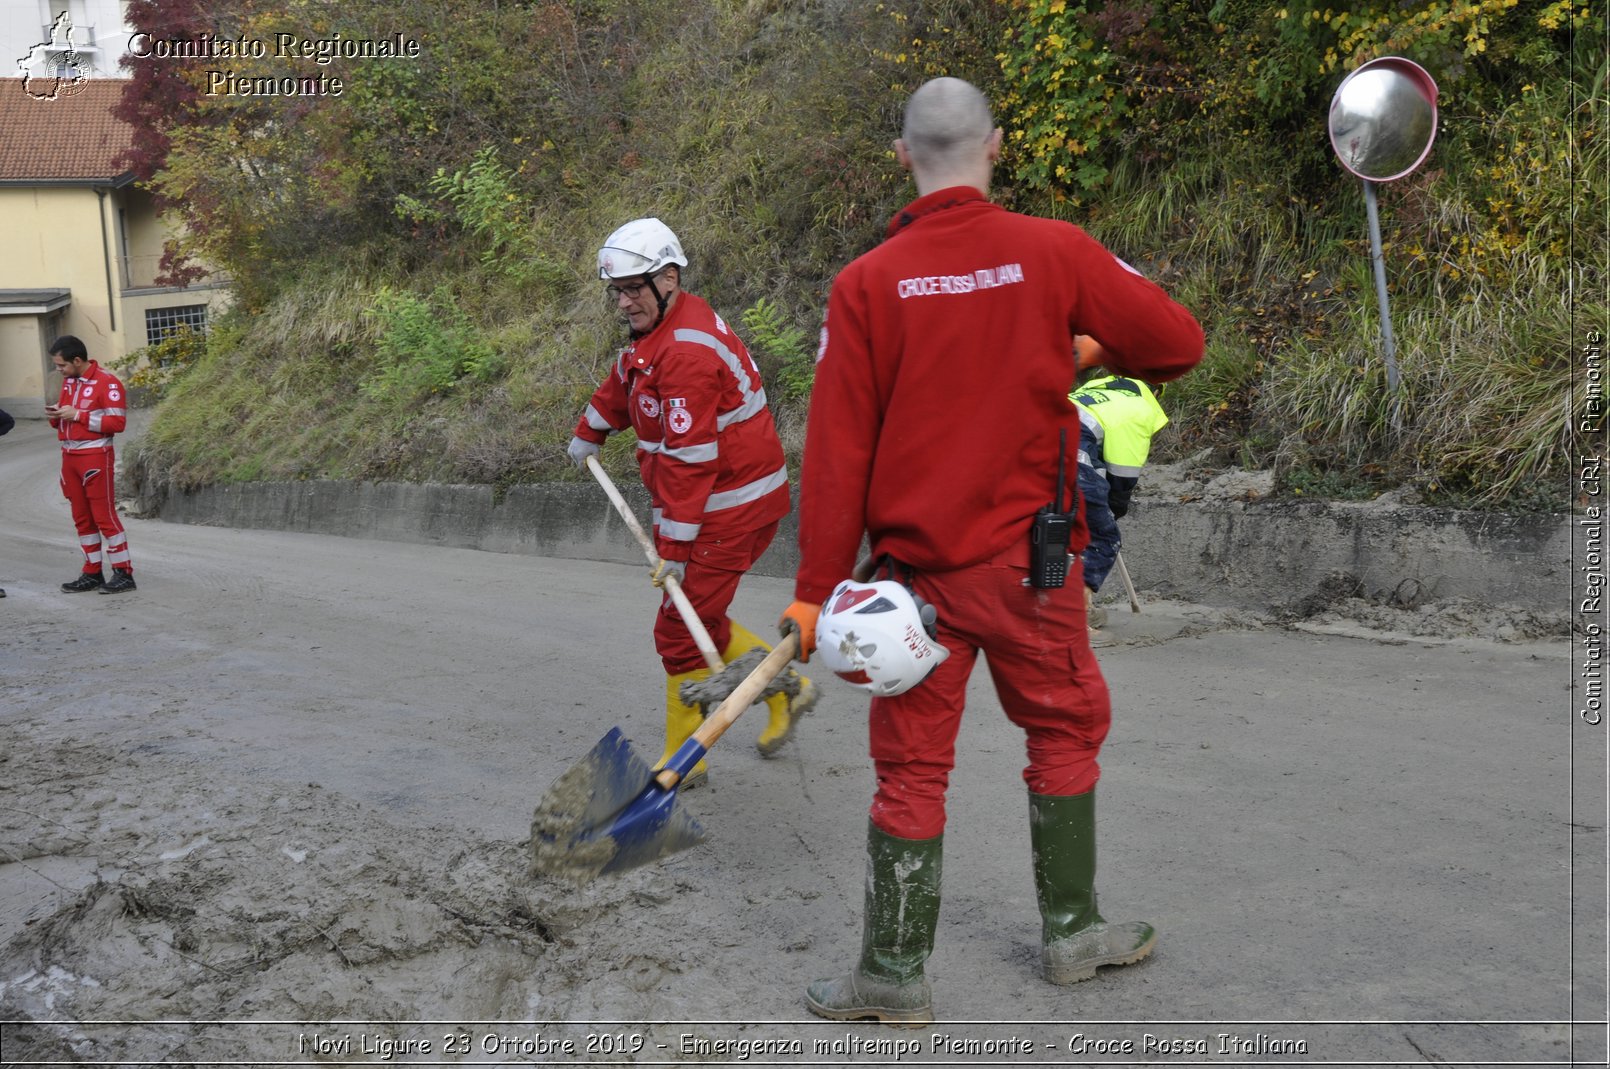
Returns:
<point x="455" y="329"/>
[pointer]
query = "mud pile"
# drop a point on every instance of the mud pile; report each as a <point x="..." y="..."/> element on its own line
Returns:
<point x="206" y="901"/>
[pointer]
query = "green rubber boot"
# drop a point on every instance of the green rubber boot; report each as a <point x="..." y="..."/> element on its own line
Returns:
<point x="902" y="910"/>
<point x="1075" y="941"/>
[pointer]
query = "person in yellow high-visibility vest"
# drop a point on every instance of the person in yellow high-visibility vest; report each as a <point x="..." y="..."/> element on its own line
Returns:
<point x="1117" y="416"/>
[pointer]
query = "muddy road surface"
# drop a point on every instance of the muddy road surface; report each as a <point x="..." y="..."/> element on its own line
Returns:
<point x="272" y="807"/>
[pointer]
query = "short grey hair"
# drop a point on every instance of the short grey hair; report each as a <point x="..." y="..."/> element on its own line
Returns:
<point x="947" y="122"/>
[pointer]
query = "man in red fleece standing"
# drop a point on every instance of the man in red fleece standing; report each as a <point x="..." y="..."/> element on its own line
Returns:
<point x="93" y="406"/>
<point x="710" y="458"/>
<point x="941" y="396"/>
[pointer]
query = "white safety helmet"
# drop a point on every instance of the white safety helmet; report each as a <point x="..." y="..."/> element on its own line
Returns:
<point x="641" y="247"/>
<point x="877" y="637"/>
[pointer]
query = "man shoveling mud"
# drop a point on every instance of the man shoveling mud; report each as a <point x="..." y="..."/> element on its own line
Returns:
<point x="710" y="458"/>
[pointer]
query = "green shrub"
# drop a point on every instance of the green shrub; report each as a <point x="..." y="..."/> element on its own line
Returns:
<point x="155" y="367"/>
<point x="780" y="344"/>
<point x="1062" y="97"/>
<point x="487" y="203"/>
<point x="383" y="233"/>
<point x="421" y="346"/>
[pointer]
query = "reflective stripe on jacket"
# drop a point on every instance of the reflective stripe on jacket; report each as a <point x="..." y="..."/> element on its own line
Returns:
<point x="102" y="407"/>
<point x="706" y="444"/>
<point x="1124" y="415"/>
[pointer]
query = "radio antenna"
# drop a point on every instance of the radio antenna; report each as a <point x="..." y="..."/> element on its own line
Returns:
<point x="1062" y="452"/>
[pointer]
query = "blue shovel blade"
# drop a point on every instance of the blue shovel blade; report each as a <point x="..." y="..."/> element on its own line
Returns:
<point x="607" y="814"/>
<point x="650" y="828"/>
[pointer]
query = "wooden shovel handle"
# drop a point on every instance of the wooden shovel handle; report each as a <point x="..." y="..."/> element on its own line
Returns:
<point x="744" y="695"/>
<point x="696" y="627"/>
<point x="716" y="724"/>
<point x="1129" y="584"/>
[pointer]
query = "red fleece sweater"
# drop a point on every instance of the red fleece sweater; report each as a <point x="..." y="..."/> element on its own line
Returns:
<point x="943" y="378"/>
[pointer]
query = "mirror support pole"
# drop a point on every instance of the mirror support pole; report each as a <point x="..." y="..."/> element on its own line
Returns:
<point x="1388" y="344"/>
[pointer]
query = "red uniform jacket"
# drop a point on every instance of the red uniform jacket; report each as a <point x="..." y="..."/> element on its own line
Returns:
<point x="943" y="377"/>
<point x="706" y="443"/>
<point x="101" y="406"/>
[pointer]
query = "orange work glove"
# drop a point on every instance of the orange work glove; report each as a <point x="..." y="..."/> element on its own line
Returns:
<point x="801" y="617"/>
<point x="1088" y="352"/>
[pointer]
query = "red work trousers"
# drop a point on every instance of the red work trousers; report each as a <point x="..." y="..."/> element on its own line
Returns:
<point x="1048" y="682"/>
<point x="711" y="581"/>
<point x="86" y="482"/>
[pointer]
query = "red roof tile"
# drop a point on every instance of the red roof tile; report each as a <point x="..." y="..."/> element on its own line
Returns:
<point x="72" y="136"/>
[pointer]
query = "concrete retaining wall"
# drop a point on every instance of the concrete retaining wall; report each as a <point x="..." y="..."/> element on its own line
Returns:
<point x="1227" y="553"/>
<point x="1274" y="553"/>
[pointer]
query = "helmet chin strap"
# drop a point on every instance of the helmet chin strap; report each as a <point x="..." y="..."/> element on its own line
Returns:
<point x="660" y="299"/>
<point x="886" y="567"/>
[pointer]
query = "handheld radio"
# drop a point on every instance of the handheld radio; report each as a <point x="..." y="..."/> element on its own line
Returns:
<point x="1050" y="532"/>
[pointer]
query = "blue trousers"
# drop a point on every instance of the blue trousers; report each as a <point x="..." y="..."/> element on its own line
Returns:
<point x="1105" y="542"/>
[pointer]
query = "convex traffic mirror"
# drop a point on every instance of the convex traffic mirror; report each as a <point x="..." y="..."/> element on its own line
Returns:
<point x="1383" y="119"/>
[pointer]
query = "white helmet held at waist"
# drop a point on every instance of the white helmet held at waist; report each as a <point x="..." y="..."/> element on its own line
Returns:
<point x="876" y="636"/>
<point x="641" y="247"/>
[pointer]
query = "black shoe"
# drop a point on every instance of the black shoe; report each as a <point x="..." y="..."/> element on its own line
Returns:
<point x="86" y="581"/>
<point x="119" y="582"/>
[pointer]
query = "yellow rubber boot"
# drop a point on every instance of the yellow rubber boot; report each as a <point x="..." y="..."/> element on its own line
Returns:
<point x="681" y="721"/>
<point x="783" y="711"/>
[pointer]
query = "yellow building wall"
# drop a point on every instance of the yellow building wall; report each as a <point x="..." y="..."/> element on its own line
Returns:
<point x="23" y="379"/>
<point x="136" y="304"/>
<point x="54" y="240"/>
<point x="104" y="248"/>
<point x="145" y="233"/>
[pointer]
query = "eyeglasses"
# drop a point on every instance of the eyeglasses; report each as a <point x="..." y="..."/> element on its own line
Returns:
<point x="631" y="291"/>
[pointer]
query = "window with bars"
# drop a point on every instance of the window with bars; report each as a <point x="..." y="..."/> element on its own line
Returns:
<point x="162" y="323"/>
